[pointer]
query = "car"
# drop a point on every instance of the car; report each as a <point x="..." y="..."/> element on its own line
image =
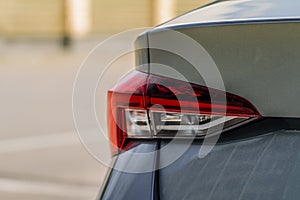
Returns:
<point x="212" y="108"/>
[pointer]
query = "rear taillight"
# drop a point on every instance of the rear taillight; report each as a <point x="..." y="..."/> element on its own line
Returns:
<point x="148" y="106"/>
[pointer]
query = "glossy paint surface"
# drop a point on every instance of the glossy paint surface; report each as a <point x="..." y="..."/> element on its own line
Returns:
<point x="242" y="10"/>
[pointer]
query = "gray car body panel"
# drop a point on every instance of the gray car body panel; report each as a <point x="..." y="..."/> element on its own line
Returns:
<point x="124" y="184"/>
<point x="258" y="60"/>
<point x="264" y="167"/>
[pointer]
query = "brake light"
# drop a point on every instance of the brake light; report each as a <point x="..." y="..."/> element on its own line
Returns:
<point x="149" y="106"/>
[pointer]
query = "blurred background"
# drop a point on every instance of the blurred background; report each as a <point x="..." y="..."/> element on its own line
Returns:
<point x="42" y="44"/>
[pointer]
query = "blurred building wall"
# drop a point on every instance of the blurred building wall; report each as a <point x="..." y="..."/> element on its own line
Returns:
<point x="31" y="18"/>
<point x="183" y="6"/>
<point x="111" y="16"/>
<point x="51" y="18"/>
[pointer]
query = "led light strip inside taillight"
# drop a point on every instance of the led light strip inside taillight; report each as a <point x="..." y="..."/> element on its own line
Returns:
<point x="171" y="124"/>
<point x="146" y="107"/>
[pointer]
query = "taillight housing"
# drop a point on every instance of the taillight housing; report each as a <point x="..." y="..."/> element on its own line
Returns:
<point x="146" y="106"/>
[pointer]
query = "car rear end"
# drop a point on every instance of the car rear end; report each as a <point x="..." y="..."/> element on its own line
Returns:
<point x="211" y="111"/>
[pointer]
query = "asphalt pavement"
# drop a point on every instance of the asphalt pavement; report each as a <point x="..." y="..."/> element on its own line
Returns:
<point x="41" y="156"/>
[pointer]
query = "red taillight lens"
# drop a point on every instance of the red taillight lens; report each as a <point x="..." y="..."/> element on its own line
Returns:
<point x="176" y="95"/>
<point x="129" y="93"/>
<point x="143" y="106"/>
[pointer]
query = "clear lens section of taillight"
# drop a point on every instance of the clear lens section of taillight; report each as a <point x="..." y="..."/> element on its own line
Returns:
<point x="171" y="124"/>
<point x="137" y="123"/>
<point x="167" y="124"/>
<point x="147" y="106"/>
